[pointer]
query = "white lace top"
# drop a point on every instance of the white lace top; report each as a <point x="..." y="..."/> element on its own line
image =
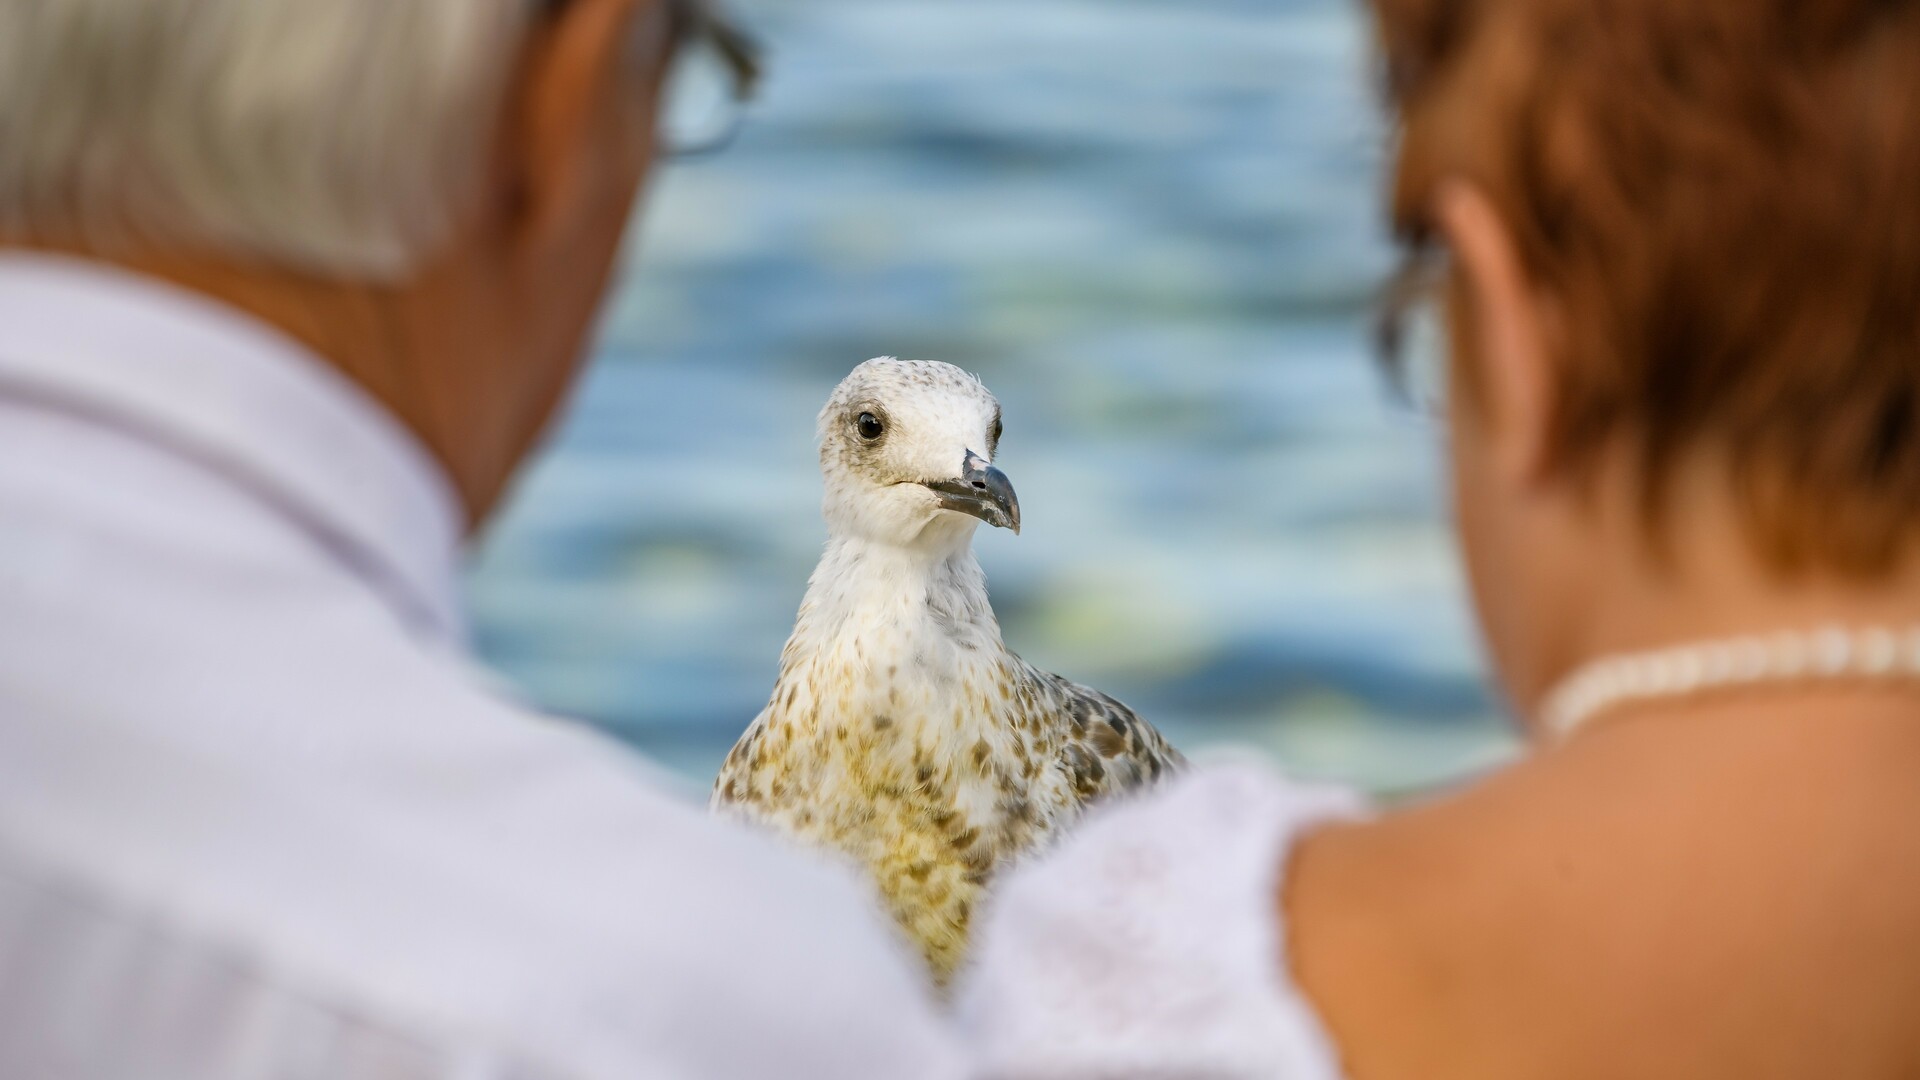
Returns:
<point x="1148" y="944"/>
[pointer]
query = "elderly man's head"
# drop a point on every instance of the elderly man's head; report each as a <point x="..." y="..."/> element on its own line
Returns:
<point x="345" y="137"/>
<point x="429" y="193"/>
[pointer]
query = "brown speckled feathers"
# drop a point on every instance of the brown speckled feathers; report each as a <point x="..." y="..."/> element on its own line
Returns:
<point x="933" y="803"/>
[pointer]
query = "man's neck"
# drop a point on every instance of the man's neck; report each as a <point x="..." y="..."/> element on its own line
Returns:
<point x="385" y="339"/>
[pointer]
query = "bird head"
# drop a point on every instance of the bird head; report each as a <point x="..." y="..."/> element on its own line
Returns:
<point x="907" y="449"/>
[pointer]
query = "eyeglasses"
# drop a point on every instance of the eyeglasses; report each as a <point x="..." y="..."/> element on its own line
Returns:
<point x="1411" y="343"/>
<point x="712" y="74"/>
<point x="715" y="71"/>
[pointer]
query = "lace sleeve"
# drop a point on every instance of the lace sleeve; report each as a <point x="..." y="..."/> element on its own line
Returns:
<point x="1148" y="944"/>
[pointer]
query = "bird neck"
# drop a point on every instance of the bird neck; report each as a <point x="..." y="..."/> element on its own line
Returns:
<point x="890" y="598"/>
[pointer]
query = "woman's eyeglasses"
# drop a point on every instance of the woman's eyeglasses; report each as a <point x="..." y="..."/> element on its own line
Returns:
<point x="1411" y="342"/>
<point x="713" y="75"/>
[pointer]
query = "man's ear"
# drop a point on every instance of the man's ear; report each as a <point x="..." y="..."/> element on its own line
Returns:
<point x="1514" y="366"/>
<point x="582" y="109"/>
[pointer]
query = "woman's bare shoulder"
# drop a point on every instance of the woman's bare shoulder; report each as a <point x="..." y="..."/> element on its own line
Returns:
<point x="1627" y="908"/>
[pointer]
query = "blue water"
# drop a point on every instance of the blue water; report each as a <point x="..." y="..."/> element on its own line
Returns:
<point x="1152" y="227"/>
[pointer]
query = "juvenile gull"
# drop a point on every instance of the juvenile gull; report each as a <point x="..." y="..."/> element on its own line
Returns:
<point x="901" y="730"/>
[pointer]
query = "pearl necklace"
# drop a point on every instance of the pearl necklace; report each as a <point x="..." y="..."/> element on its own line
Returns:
<point x="1828" y="654"/>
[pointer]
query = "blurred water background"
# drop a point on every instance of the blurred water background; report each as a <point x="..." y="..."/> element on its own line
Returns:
<point x="1152" y="227"/>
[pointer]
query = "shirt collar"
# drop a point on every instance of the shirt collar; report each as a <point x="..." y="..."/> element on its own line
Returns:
<point x="201" y="380"/>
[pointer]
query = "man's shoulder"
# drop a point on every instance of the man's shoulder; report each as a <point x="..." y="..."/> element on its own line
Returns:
<point x="445" y="859"/>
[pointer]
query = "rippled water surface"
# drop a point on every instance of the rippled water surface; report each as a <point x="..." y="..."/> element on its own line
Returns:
<point x="1150" y="225"/>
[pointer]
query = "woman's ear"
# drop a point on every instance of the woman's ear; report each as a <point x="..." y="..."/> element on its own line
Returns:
<point x="583" y="109"/>
<point x="1513" y="366"/>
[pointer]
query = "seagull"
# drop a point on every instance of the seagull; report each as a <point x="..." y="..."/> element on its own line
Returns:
<point x="902" y="732"/>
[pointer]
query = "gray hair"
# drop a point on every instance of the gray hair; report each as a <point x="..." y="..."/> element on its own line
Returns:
<point x="338" y="136"/>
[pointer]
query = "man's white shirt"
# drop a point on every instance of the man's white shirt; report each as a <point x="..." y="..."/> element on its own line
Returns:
<point x="260" y="816"/>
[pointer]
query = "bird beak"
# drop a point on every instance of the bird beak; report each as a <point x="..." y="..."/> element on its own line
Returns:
<point x="981" y="491"/>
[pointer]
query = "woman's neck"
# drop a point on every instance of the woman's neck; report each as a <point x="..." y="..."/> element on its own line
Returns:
<point x="1620" y="586"/>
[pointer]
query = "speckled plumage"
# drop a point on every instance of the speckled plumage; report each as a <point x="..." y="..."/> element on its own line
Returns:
<point x="902" y="731"/>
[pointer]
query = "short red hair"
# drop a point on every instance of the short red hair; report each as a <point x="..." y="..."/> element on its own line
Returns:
<point x="1722" y="197"/>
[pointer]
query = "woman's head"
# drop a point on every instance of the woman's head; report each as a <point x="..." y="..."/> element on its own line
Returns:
<point x="1687" y="248"/>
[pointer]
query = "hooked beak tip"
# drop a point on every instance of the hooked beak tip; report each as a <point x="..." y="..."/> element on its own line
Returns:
<point x="982" y="491"/>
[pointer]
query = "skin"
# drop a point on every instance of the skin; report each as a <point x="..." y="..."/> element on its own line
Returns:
<point x="1728" y="887"/>
<point x="476" y="349"/>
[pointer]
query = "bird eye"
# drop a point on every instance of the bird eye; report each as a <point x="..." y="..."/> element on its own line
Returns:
<point x="993" y="436"/>
<point x="871" y="427"/>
